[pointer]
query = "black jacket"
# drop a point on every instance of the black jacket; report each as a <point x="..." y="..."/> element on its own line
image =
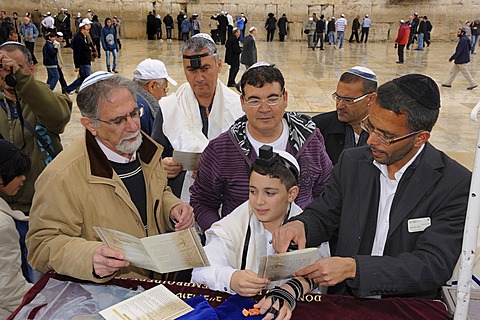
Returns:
<point x="168" y="20"/>
<point x="232" y="52"/>
<point x="334" y="132"/>
<point x="81" y="50"/>
<point x="416" y="262"/>
<point x="320" y="26"/>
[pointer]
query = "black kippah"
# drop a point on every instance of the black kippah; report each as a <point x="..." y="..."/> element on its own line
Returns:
<point x="421" y="88"/>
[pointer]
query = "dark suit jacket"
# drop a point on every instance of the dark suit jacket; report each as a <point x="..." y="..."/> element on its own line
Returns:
<point x="232" y="51"/>
<point x="333" y="132"/>
<point x="414" y="264"/>
<point x="249" y="51"/>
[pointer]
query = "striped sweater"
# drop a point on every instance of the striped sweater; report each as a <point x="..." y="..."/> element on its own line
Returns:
<point x="223" y="178"/>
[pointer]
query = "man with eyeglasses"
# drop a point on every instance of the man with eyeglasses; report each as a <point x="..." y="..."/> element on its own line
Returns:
<point x="394" y="210"/>
<point x="111" y="177"/>
<point x="152" y="78"/>
<point x="222" y="181"/>
<point x="197" y="112"/>
<point x="353" y="98"/>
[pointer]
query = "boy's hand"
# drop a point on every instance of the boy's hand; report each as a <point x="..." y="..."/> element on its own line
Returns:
<point x="247" y="283"/>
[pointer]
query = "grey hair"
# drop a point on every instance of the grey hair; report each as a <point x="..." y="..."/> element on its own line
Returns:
<point x="368" y="85"/>
<point x="143" y="82"/>
<point x="92" y="97"/>
<point x="12" y="47"/>
<point x="197" y="44"/>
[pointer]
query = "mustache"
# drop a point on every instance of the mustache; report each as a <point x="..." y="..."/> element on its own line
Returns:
<point x="130" y="136"/>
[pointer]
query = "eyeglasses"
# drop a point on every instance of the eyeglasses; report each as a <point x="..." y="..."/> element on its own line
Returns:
<point x="165" y="89"/>
<point x="136" y="113"/>
<point x="366" y="126"/>
<point x="271" y="101"/>
<point x="349" y="101"/>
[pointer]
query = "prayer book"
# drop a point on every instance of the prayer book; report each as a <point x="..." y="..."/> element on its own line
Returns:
<point x="190" y="160"/>
<point x="283" y="265"/>
<point x="162" y="253"/>
<point x="155" y="303"/>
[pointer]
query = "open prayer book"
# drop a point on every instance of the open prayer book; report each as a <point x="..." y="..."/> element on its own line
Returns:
<point x="155" y="303"/>
<point x="190" y="160"/>
<point x="162" y="253"/>
<point x="282" y="266"/>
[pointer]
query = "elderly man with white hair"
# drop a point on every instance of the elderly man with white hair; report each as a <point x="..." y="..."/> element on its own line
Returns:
<point x="110" y="177"/>
<point x="152" y="78"/>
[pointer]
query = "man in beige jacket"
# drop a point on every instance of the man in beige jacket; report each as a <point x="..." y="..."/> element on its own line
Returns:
<point x="112" y="177"/>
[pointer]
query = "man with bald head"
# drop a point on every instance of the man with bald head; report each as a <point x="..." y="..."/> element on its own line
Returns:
<point x="197" y="112"/>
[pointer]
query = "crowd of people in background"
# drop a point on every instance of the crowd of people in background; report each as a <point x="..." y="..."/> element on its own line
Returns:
<point x="107" y="38"/>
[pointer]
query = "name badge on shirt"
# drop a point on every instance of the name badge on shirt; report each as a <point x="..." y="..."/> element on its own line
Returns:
<point x="420" y="224"/>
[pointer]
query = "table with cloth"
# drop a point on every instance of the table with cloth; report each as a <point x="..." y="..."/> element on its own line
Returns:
<point x="214" y="305"/>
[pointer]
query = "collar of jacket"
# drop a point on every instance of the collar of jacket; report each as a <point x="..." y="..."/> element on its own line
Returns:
<point x="99" y="164"/>
<point x="300" y="127"/>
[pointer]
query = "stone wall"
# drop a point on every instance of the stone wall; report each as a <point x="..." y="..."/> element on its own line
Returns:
<point x="445" y="15"/>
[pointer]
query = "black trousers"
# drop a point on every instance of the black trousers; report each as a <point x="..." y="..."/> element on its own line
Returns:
<point x="232" y="74"/>
<point x="270" y="34"/>
<point x="96" y="42"/>
<point x="31" y="47"/>
<point x="401" y="51"/>
<point x="354" y="33"/>
<point x="223" y="35"/>
<point x="62" y="78"/>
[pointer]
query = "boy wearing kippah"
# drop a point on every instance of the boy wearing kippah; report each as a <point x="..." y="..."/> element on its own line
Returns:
<point x="14" y="164"/>
<point x="235" y="243"/>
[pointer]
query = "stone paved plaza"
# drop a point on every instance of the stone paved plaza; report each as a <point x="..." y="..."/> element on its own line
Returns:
<point x="311" y="78"/>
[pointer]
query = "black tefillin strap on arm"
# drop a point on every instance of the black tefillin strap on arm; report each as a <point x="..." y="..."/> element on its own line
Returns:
<point x="196" y="60"/>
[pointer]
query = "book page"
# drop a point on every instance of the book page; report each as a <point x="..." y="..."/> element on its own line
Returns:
<point x="129" y="245"/>
<point x="155" y="303"/>
<point x="282" y="266"/>
<point x="176" y="251"/>
<point x="189" y="160"/>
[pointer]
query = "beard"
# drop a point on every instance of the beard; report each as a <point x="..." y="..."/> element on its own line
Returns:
<point x="396" y="155"/>
<point x="129" y="147"/>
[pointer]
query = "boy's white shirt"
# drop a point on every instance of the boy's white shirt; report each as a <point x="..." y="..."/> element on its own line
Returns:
<point x="224" y="248"/>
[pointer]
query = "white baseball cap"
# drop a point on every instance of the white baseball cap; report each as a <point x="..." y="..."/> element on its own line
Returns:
<point x="150" y="69"/>
<point x="84" y="22"/>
